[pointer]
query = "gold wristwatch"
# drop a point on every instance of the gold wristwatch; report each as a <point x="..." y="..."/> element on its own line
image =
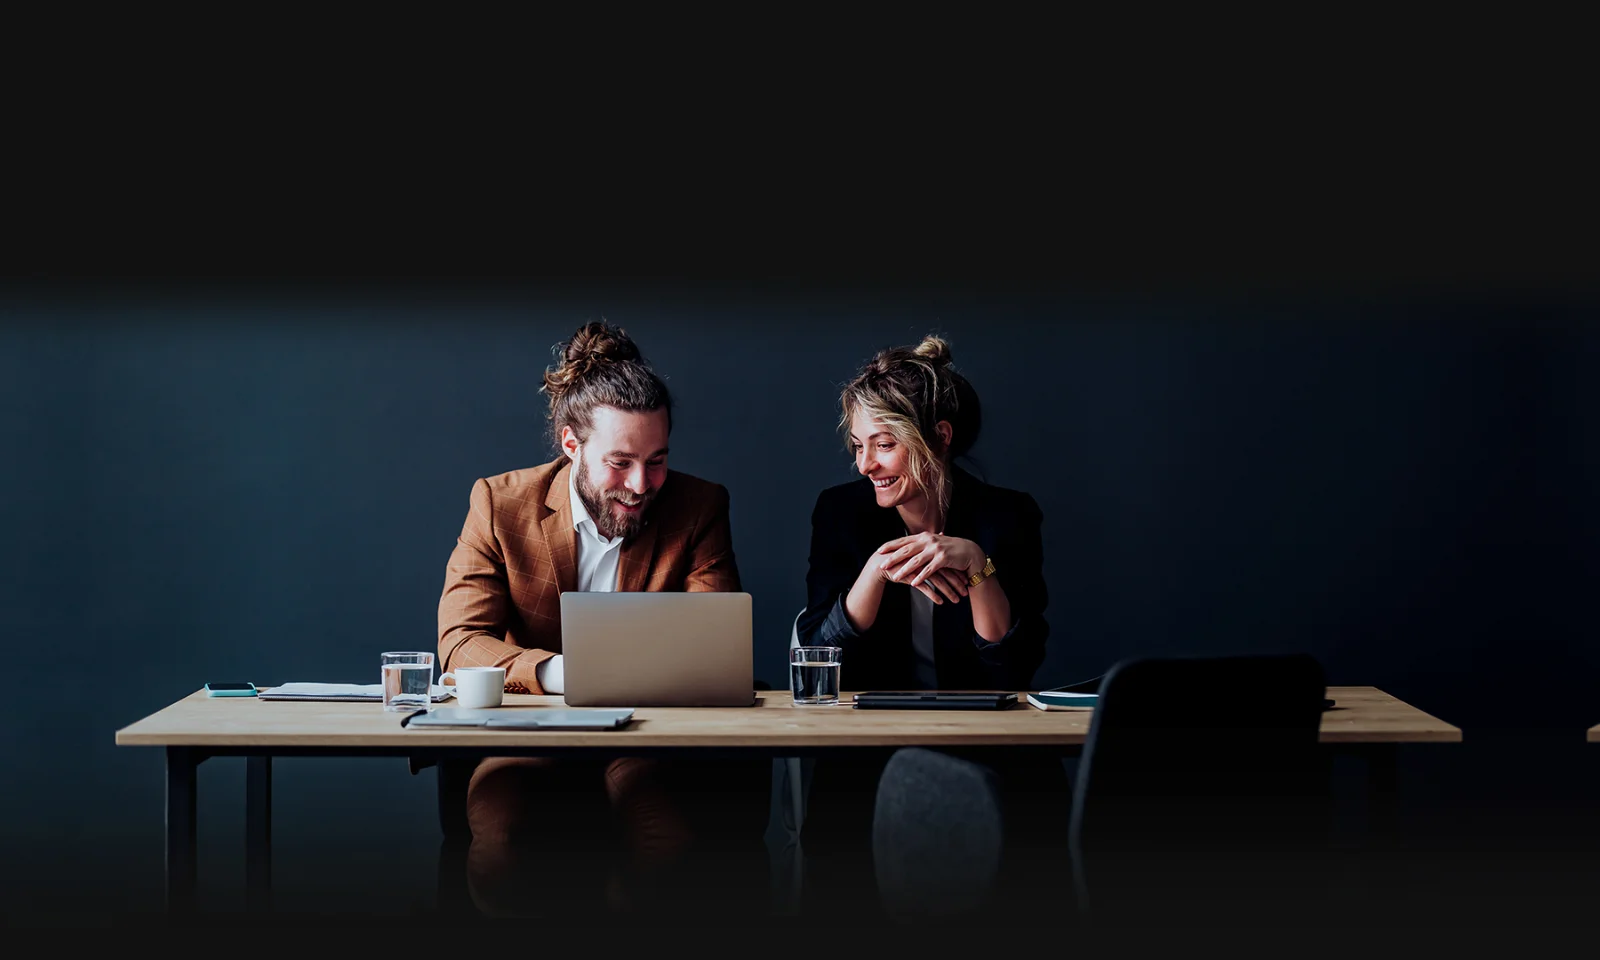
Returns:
<point x="984" y="574"/>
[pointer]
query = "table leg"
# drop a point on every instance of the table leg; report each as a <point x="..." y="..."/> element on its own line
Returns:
<point x="181" y="764"/>
<point x="258" y="833"/>
<point x="1383" y="796"/>
<point x="1384" y="887"/>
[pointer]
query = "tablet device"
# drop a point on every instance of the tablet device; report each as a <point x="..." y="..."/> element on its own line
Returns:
<point x="524" y="719"/>
<point x="934" y="700"/>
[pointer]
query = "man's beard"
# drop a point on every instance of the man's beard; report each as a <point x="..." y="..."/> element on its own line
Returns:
<point x="598" y="503"/>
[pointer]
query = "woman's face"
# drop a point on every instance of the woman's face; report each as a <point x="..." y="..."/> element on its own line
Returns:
<point x="881" y="458"/>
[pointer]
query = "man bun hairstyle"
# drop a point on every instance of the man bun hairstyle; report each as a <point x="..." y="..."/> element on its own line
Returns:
<point x="599" y="366"/>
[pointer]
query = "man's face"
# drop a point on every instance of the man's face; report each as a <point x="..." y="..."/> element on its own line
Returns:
<point x="620" y="467"/>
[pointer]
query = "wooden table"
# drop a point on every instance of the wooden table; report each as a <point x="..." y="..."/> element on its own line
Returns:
<point x="1594" y="734"/>
<point x="198" y="727"/>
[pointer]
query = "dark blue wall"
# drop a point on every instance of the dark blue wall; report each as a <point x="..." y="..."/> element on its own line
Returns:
<point x="265" y="482"/>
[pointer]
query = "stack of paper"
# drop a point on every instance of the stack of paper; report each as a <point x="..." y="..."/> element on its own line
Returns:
<point x="340" y="691"/>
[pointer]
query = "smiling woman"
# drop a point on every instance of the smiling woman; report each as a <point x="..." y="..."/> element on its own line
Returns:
<point x="926" y="578"/>
<point x="884" y="409"/>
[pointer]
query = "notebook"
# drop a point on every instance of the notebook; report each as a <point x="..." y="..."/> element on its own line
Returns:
<point x="357" y="692"/>
<point x="1060" y="700"/>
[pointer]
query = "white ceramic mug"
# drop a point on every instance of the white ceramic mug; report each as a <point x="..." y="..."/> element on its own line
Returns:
<point x="478" y="687"/>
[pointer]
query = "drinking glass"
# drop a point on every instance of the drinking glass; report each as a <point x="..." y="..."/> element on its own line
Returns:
<point x="408" y="681"/>
<point x="814" y="675"/>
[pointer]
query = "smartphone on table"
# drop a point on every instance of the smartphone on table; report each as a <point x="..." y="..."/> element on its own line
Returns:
<point x="230" y="689"/>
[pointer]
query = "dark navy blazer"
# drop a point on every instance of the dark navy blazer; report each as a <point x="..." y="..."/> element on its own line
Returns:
<point x="847" y="525"/>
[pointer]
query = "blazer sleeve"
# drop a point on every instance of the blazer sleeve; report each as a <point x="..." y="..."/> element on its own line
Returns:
<point x="1019" y="568"/>
<point x="831" y="572"/>
<point x="712" y="568"/>
<point x="475" y="607"/>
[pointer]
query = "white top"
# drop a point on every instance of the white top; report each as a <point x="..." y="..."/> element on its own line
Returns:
<point x="597" y="572"/>
<point x="922" y="640"/>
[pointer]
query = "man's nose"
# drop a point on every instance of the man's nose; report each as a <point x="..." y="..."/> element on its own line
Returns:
<point x="636" y="481"/>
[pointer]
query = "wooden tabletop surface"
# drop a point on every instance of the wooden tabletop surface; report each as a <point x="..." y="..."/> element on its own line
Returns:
<point x="1594" y="734"/>
<point x="1362" y="715"/>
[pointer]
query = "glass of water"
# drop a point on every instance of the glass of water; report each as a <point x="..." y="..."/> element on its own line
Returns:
<point x="814" y="675"/>
<point x="408" y="681"/>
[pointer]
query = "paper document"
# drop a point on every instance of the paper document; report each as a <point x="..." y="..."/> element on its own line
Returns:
<point x="340" y="691"/>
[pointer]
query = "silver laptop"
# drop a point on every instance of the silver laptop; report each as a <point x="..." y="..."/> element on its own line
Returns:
<point x="657" y="649"/>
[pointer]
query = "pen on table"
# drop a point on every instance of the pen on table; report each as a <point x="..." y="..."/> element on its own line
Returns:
<point x="415" y="713"/>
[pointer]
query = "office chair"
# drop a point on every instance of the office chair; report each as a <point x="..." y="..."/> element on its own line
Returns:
<point x="971" y="835"/>
<point x="937" y="835"/>
<point x="1202" y="794"/>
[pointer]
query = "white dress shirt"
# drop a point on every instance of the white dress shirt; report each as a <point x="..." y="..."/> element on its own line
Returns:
<point x="597" y="572"/>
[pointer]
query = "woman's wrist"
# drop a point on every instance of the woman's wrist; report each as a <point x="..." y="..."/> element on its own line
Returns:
<point x="861" y="602"/>
<point x="976" y="559"/>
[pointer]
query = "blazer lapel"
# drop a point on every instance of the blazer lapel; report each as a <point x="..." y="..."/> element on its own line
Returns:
<point x="635" y="559"/>
<point x="962" y="521"/>
<point x="559" y="536"/>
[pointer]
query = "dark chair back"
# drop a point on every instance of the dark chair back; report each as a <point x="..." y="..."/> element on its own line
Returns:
<point x="937" y="835"/>
<point x="1202" y="786"/>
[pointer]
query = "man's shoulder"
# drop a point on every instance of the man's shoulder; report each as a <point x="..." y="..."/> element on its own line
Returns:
<point x="687" y="503"/>
<point x="687" y="490"/>
<point x="528" y="484"/>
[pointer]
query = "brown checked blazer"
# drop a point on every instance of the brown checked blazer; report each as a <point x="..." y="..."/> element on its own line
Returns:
<point x="517" y="552"/>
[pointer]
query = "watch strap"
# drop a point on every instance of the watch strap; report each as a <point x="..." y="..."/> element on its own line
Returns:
<point x="984" y="574"/>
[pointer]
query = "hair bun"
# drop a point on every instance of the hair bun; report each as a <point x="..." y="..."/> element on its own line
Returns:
<point x="935" y="350"/>
<point x="600" y="342"/>
<point x="594" y="344"/>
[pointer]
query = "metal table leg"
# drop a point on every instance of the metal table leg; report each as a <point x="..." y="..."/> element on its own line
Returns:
<point x="181" y="764"/>
<point x="258" y="833"/>
<point x="1384" y="883"/>
<point x="1383" y="796"/>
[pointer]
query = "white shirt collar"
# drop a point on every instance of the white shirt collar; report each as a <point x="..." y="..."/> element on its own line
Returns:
<point x="580" y="513"/>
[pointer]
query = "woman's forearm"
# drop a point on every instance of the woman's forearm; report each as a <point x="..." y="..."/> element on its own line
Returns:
<point x="991" y="610"/>
<point x="862" y="602"/>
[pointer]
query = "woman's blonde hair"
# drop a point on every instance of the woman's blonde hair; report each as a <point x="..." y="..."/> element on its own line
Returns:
<point x="907" y="391"/>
